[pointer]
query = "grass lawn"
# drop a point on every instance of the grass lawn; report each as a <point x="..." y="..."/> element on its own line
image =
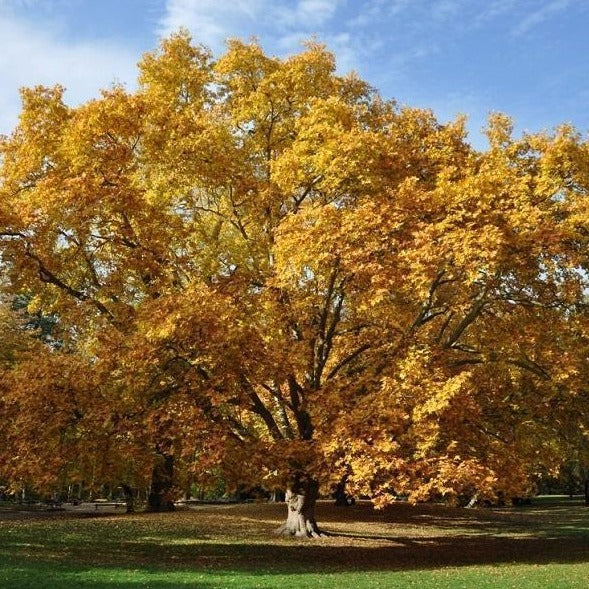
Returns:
<point x="545" y="545"/>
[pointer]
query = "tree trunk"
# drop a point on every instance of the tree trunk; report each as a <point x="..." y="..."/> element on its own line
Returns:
<point x="473" y="501"/>
<point x="277" y="496"/>
<point x="300" y="520"/>
<point x="342" y="499"/>
<point x="162" y="482"/>
<point x="129" y="498"/>
<point x="587" y="492"/>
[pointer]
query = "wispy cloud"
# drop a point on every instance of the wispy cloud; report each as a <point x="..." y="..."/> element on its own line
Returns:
<point x="495" y="9"/>
<point x="308" y="14"/>
<point x="376" y="10"/>
<point x="212" y="21"/>
<point x="278" y="22"/>
<point x="7" y="5"/>
<point x="446" y="9"/>
<point x="31" y="55"/>
<point x="539" y="16"/>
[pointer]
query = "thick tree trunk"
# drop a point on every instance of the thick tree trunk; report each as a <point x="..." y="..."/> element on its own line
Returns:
<point x="162" y="482"/>
<point x="300" y="520"/>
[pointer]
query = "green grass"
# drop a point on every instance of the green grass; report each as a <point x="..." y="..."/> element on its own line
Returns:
<point x="520" y="576"/>
<point x="545" y="545"/>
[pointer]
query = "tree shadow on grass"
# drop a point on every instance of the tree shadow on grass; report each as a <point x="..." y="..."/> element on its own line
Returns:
<point x="341" y="552"/>
<point x="565" y="518"/>
<point x="208" y="565"/>
<point x="115" y="552"/>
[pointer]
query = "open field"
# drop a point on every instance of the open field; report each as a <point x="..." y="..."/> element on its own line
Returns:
<point x="544" y="545"/>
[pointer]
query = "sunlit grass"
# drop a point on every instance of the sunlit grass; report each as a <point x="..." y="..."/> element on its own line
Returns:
<point x="554" y="576"/>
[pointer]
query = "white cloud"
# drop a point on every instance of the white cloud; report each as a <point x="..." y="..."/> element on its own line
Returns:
<point x="280" y="24"/>
<point x="349" y="51"/>
<point x="306" y="13"/>
<point x="446" y="9"/>
<point x="6" y="5"/>
<point x="496" y="8"/>
<point x="538" y="16"/>
<point x="212" y="21"/>
<point x="30" y="55"/>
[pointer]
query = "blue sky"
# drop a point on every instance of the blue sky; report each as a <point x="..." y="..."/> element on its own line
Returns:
<point x="527" y="58"/>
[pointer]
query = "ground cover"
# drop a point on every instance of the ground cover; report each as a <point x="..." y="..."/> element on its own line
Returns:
<point x="542" y="545"/>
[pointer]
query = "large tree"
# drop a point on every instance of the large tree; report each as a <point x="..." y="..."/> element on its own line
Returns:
<point x="264" y="263"/>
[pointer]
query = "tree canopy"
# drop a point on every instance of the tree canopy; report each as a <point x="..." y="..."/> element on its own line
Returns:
<point x="260" y="267"/>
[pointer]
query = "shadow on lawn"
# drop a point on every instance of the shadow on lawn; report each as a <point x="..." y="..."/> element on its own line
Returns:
<point x="333" y="554"/>
<point x="566" y="518"/>
<point x="210" y="565"/>
<point x="214" y="562"/>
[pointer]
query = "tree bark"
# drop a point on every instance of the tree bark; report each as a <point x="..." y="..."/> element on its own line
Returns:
<point x="129" y="498"/>
<point x="473" y="501"/>
<point x="162" y="482"/>
<point x="277" y="496"/>
<point x="300" y="520"/>
<point x="342" y="499"/>
<point x="587" y="492"/>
